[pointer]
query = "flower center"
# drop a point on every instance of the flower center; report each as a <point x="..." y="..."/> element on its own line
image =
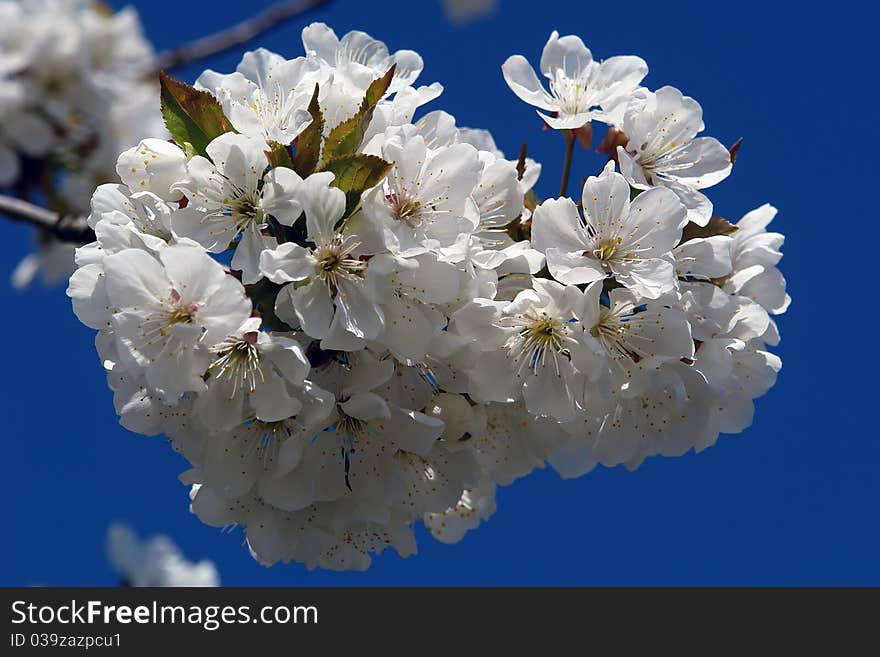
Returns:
<point x="350" y="427"/>
<point x="335" y="262"/>
<point x="246" y="212"/>
<point x="184" y="315"/>
<point x="609" y="329"/>
<point x="270" y="436"/>
<point x="156" y="329"/>
<point x="238" y="362"/>
<point x="181" y="313"/>
<point x="247" y="208"/>
<point x="573" y="94"/>
<point x="406" y="209"/>
<point x="613" y="333"/>
<point x="539" y="334"/>
<point x="606" y="250"/>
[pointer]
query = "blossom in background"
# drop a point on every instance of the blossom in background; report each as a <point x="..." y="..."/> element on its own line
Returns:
<point x="154" y="562"/>
<point x="399" y="324"/>
<point x="464" y="11"/>
<point x="76" y="89"/>
<point x="52" y="261"/>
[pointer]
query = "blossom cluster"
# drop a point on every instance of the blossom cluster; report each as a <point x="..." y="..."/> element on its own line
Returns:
<point x="76" y="88"/>
<point x="350" y="320"/>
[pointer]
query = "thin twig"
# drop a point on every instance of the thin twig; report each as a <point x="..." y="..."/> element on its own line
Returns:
<point x="236" y="35"/>
<point x="65" y="229"/>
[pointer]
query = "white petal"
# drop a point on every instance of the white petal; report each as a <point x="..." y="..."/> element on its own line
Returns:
<point x="522" y="80"/>
<point x="214" y="232"/>
<point x="557" y="224"/>
<point x="649" y="278"/>
<point x="366" y="406"/>
<point x="606" y="201"/>
<point x="154" y="165"/>
<point x="272" y="402"/>
<point x="574" y="268"/>
<point x="568" y="121"/>
<point x="281" y="188"/>
<point x="323" y="205"/>
<point x="313" y="308"/>
<point x="361" y="316"/>
<point x="288" y="262"/>
<point x="135" y="279"/>
<point x="653" y="226"/>
<point x="567" y="53"/>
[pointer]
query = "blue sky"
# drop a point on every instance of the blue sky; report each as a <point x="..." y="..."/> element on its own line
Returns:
<point x="793" y="500"/>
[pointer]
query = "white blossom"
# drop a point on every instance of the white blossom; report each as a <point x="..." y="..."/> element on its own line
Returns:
<point x="424" y="202"/>
<point x="267" y="97"/>
<point x="664" y="151"/>
<point x="168" y="311"/>
<point x="230" y="195"/>
<point x="75" y="91"/>
<point x="631" y="241"/>
<point x="755" y="254"/>
<point x="581" y="89"/>
<point x="335" y="297"/>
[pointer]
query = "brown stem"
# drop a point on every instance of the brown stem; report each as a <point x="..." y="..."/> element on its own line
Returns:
<point x="566" y="166"/>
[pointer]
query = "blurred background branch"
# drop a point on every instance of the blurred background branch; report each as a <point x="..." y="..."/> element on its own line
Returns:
<point x="236" y="35"/>
<point x="65" y="229"/>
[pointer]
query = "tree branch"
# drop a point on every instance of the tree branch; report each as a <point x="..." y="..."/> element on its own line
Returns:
<point x="65" y="229"/>
<point x="236" y="35"/>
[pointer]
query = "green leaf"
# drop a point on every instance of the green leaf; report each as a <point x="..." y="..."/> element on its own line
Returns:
<point x="716" y="226"/>
<point x="346" y="137"/>
<point x="279" y="155"/>
<point x="191" y="116"/>
<point x="357" y="173"/>
<point x="308" y="143"/>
